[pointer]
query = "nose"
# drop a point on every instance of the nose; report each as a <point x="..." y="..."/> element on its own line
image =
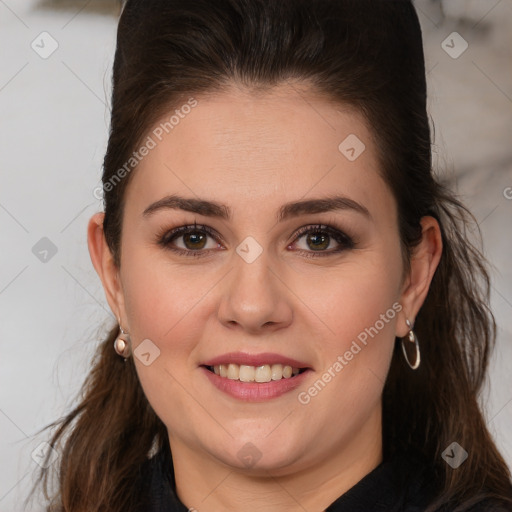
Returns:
<point x="255" y="296"/>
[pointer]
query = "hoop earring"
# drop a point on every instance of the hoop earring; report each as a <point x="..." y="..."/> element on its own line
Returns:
<point x="122" y="343"/>
<point x="411" y="337"/>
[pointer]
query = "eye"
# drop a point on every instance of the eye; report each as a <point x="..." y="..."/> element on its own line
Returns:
<point x="193" y="240"/>
<point x="319" y="238"/>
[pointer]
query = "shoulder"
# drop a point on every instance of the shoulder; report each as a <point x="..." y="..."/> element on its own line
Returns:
<point x="156" y="485"/>
<point x="416" y="473"/>
<point x="401" y="483"/>
<point x="490" y="505"/>
<point x="424" y="488"/>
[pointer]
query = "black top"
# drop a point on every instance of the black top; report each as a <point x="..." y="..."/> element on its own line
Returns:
<point x="401" y="484"/>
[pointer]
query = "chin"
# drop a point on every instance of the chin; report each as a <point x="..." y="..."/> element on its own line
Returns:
<point x="258" y="454"/>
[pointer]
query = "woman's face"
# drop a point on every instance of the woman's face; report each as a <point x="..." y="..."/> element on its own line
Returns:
<point x="295" y="261"/>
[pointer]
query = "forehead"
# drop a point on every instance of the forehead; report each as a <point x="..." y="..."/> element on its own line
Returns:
<point x="245" y="147"/>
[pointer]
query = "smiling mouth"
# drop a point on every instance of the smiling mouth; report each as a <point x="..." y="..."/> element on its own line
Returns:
<point x="263" y="373"/>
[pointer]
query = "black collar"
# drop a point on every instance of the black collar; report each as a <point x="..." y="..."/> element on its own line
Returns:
<point x="403" y="483"/>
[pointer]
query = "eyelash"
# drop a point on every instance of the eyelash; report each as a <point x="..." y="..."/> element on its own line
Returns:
<point x="340" y="237"/>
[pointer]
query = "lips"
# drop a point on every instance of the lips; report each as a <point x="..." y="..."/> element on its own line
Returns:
<point x="255" y="377"/>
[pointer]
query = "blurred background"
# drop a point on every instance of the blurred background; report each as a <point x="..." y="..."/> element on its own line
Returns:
<point x="55" y="67"/>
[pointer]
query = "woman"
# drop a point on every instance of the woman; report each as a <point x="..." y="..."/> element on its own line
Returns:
<point x="302" y="324"/>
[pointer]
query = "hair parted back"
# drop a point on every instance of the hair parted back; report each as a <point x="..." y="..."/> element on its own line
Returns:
<point x="367" y="54"/>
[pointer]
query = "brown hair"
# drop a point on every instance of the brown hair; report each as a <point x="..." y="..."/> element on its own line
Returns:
<point x="362" y="53"/>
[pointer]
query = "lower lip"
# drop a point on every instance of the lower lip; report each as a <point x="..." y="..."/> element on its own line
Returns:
<point x="255" y="391"/>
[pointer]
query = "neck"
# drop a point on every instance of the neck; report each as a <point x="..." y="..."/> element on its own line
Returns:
<point x="205" y="483"/>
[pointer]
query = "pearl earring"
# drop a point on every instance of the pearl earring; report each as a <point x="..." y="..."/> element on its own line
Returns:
<point x="122" y="343"/>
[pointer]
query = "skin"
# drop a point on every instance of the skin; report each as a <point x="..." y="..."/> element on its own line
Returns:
<point x="255" y="152"/>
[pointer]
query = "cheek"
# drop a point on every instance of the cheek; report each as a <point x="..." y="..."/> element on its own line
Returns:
<point x="359" y="306"/>
<point x="353" y="298"/>
<point x="355" y="359"/>
<point x="162" y="305"/>
<point x="160" y="297"/>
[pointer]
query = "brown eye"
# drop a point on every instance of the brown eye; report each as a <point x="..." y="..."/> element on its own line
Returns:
<point x="318" y="241"/>
<point x="194" y="240"/>
<point x="190" y="240"/>
<point x="319" y="238"/>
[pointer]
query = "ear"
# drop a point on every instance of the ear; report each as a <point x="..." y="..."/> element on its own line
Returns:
<point x="424" y="261"/>
<point x="103" y="261"/>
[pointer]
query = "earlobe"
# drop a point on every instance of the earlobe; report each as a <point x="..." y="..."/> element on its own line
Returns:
<point x="103" y="262"/>
<point x="425" y="259"/>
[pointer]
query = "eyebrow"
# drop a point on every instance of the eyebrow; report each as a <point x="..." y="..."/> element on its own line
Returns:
<point x="288" y="210"/>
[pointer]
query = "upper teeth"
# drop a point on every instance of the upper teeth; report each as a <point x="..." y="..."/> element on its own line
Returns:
<point x="264" y="373"/>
